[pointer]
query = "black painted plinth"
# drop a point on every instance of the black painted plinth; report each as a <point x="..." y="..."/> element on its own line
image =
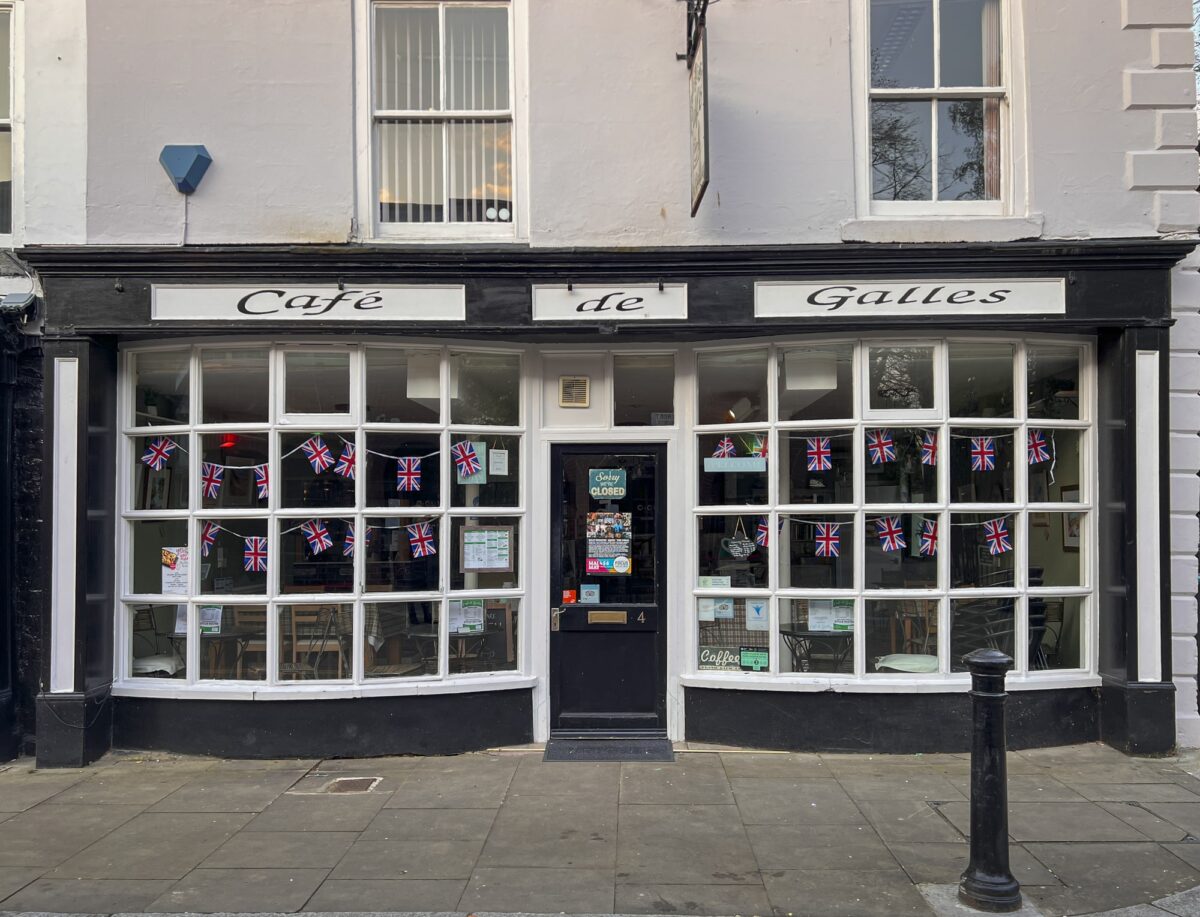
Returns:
<point x="73" y="730"/>
<point x="1138" y="717"/>
<point x="9" y="736"/>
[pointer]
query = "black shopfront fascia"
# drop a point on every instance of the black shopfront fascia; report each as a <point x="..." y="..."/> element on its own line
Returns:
<point x="1117" y="291"/>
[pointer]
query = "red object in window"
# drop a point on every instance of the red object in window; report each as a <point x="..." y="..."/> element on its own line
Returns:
<point x="229" y="441"/>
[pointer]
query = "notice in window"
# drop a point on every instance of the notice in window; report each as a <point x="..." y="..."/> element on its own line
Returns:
<point x="608" y="543"/>
<point x="831" y="614"/>
<point x="756" y="614"/>
<point x="486" y="548"/>
<point x="210" y="619"/>
<point x="175" y="570"/>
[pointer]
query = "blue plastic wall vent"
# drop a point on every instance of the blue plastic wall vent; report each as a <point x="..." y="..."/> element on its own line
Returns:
<point x="185" y="164"/>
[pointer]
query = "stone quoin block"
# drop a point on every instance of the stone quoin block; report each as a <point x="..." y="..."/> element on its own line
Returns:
<point x="1185" y="287"/>
<point x="1185" y="533"/>
<point x="1185" y="335"/>
<point x="1183" y="615"/>
<point x="1182" y="407"/>
<point x="1183" y="573"/>
<point x="1185" y="493"/>
<point x="1172" y="48"/>
<point x="1153" y="169"/>
<point x="1159" y="89"/>
<point x="1175" y="130"/>
<point x="1185" y="372"/>
<point x="1177" y="211"/>
<point x="1183" y="655"/>
<point x="1143" y="14"/>
<point x="1185" y="452"/>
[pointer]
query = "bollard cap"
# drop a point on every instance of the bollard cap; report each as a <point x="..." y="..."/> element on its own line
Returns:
<point x="988" y="662"/>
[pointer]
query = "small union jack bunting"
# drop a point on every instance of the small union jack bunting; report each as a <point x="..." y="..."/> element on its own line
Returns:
<point x="408" y="474"/>
<point x="1039" y="451"/>
<point x="208" y="537"/>
<point x="820" y="455"/>
<point x="345" y="462"/>
<point x="725" y="448"/>
<point x="349" y="542"/>
<point x="420" y="538"/>
<point x="996" y="533"/>
<point x="466" y="460"/>
<point x="983" y="453"/>
<point x="829" y="539"/>
<point x="929" y="446"/>
<point x="929" y="533"/>
<point x="262" y="480"/>
<point x="254" y="559"/>
<point x="211" y="477"/>
<point x="880" y="446"/>
<point x="158" y="452"/>
<point x="891" y="536"/>
<point x="317" y="453"/>
<point x="316" y="535"/>
<point x="759" y="449"/>
<point x="762" y="533"/>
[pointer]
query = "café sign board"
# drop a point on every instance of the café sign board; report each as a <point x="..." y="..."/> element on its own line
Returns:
<point x="901" y="298"/>
<point x="353" y="303"/>
<point x="626" y="302"/>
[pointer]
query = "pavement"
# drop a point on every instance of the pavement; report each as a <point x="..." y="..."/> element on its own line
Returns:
<point x="719" y="831"/>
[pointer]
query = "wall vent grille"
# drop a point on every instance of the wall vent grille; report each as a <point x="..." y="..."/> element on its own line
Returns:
<point x="574" y="391"/>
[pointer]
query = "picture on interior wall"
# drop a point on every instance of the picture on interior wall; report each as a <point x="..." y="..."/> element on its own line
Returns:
<point x="1071" y="521"/>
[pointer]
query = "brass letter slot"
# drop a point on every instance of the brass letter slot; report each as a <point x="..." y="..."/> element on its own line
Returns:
<point x="608" y="617"/>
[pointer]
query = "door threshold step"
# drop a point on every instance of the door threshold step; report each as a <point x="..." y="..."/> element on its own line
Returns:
<point x="608" y="748"/>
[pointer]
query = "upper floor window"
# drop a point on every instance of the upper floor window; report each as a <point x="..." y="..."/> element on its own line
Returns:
<point x="6" y="144"/>
<point x="937" y="105"/>
<point x="442" y="113"/>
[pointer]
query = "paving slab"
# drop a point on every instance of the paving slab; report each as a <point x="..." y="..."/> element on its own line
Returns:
<point x="21" y="788"/>
<point x="1189" y="852"/>
<point x="695" y="779"/>
<point x="788" y="802"/>
<point x="430" y="824"/>
<point x="1183" y="904"/>
<point x="1052" y="821"/>
<point x="281" y="850"/>
<point x="14" y="878"/>
<point x="122" y="786"/>
<point x="1104" y="876"/>
<point x="336" y="896"/>
<point x="943" y="899"/>
<point x="230" y="791"/>
<point x="1141" y="819"/>
<point x="390" y="764"/>
<point x="910" y="821"/>
<point x="47" y="835"/>
<point x="207" y="891"/>
<point x="1184" y="814"/>
<point x="843" y="893"/>
<point x="1029" y="788"/>
<point x="1137" y="792"/>
<point x="87" y="896"/>
<point x="901" y="786"/>
<point x="553" y="831"/>
<point x="465" y="782"/>
<point x="786" y="765"/>
<point x="688" y="845"/>
<point x="408" y="860"/>
<point x="535" y="777"/>
<point x="716" y="900"/>
<point x="352" y="812"/>
<point x="539" y="891"/>
<point x="939" y="864"/>
<point x="818" y="847"/>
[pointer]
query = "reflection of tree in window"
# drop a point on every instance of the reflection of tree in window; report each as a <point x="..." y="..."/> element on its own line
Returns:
<point x="900" y="158"/>
<point x="892" y="373"/>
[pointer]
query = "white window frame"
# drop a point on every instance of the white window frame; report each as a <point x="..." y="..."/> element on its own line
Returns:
<point x="15" y="123"/>
<point x="368" y="224"/>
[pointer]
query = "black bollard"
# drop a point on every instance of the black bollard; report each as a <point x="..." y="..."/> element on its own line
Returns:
<point x="987" y="884"/>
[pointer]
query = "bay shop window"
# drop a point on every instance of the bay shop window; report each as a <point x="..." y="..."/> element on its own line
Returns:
<point x="874" y="510"/>
<point x="295" y="515"/>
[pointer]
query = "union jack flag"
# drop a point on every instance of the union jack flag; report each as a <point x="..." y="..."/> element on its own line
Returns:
<point x="465" y="460"/>
<point x="928" y="546"/>
<point x="420" y="538"/>
<point x="348" y="543"/>
<point x="759" y="449"/>
<point x="929" y="449"/>
<point x="345" y="462"/>
<point x="829" y="539"/>
<point x="820" y="455"/>
<point x="762" y="533"/>
<point x="1038" y="450"/>
<point x="254" y="559"/>
<point x="211" y="477"/>
<point x="208" y="537"/>
<point x="408" y="474"/>
<point x="317" y="536"/>
<point x="158" y="453"/>
<point x="996" y="533"/>
<point x="983" y="453"/>
<point x="891" y="536"/>
<point x="725" y="448"/>
<point x="317" y="453"/>
<point x="880" y="446"/>
<point x="262" y="480"/>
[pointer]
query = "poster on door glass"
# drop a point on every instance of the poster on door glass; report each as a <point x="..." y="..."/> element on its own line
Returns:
<point x="174" y="570"/>
<point x="608" y="543"/>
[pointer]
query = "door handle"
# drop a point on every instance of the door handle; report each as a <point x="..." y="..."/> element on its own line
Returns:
<point x="554" y="616"/>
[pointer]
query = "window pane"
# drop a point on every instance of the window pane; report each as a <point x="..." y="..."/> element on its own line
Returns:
<point x="819" y="551"/>
<point x="317" y="383"/>
<point x="1054" y="549"/>
<point x="394" y="563"/>
<point x="817" y="635"/>
<point x="223" y="569"/>
<point x="982" y="548"/>
<point x="981" y="380"/>
<point x="480" y="171"/>
<point x="476" y="58"/>
<point x="1055" y="628"/>
<point x="981" y="465"/>
<point x="317" y="566"/>
<point x="980" y="624"/>
<point x="643" y="390"/>
<point x="485" y="552"/>
<point x="231" y="469"/>
<point x="498" y="481"/>
<point x="407" y="59"/>
<point x="816" y="466"/>
<point x="400" y="639"/>
<point x="970" y="42"/>
<point x="404" y="469"/>
<point x="901" y="378"/>
<point x="233" y="642"/>
<point x="485" y="389"/>
<point x="816" y="383"/>
<point x="901" y="551"/>
<point x="901" y="464"/>
<point x="1054" y="382"/>
<point x="160" y="468"/>
<point x="490" y="645"/>
<point x="158" y="641"/>
<point x="968" y="150"/>
<point x="732" y="387"/>
<point x="901" y="163"/>
<point x="304" y="486"/>
<point x="6" y="182"/>
<point x="160" y="388"/>
<point x="727" y="548"/>
<point x="315" y="641"/>
<point x="411" y="177"/>
<point x="161" y="559"/>
<point x="403" y="386"/>
<point x="901" y="43"/>
<point x="236" y="386"/>
<point x="733" y="468"/>
<point x="1055" y="465"/>
<point x="902" y="637"/>
<point x="734" y="634"/>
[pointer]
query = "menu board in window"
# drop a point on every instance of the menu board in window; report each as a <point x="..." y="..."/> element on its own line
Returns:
<point x="486" y="548"/>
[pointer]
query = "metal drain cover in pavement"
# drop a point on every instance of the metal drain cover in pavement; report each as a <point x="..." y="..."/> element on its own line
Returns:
<point x="351" y="785"/>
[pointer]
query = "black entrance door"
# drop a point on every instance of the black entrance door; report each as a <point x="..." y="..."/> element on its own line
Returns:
<point x="608" y="624"/>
